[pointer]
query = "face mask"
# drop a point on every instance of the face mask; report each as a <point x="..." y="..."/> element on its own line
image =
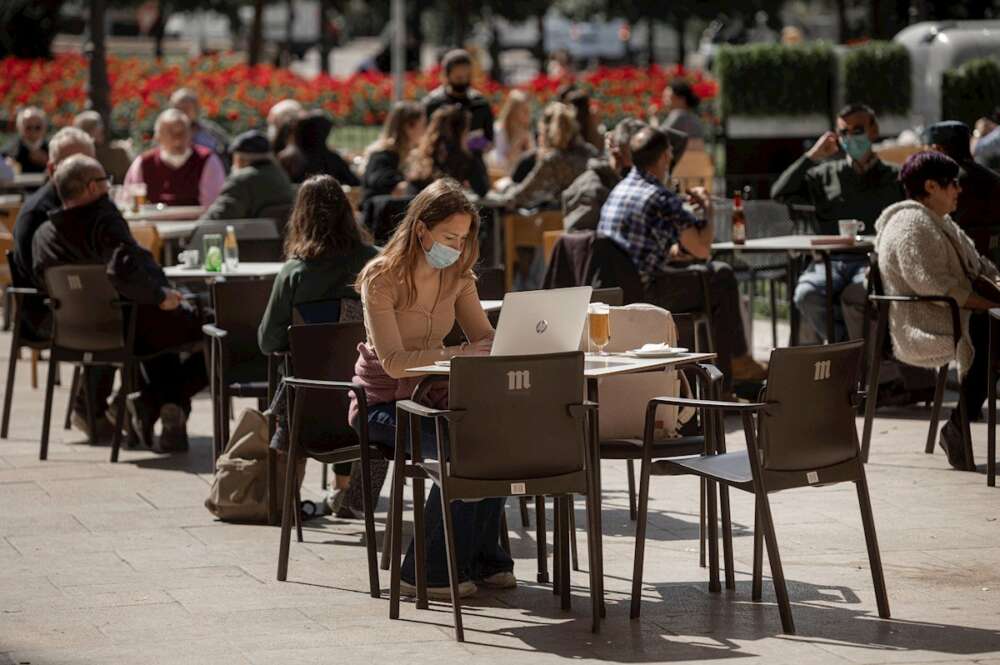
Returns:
<point x="174" y="161"/>
<point x="856" y="145"/>
<point x="441" y="256"/>
<point x="460" y="88"/>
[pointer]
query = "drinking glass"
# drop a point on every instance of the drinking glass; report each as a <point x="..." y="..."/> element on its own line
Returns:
<point x="139" y="191"/>
<point x="213" y="252"/>
<point x="599" y="320"/>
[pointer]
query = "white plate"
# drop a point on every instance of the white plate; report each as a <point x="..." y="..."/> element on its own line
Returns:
<point x="658" y="353"/>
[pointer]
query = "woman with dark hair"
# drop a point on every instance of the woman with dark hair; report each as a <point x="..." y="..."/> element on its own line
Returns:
<point x="307" y="153"/>
<point x="412" y="294"/>
<point x="922" y="251"/>
<point x="443" y="153"/>
<point x="586" y="117"/>
<point x="386" y="157"/>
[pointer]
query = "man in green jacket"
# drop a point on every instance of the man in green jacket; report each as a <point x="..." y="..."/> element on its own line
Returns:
<point x="257" y="185"/>
<point x="853" y="185"/>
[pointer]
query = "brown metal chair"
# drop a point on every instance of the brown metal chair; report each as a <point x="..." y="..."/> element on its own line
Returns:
<point x="873" y="356"/>
<point x="788" y="447"/>
<point x="237" y="368"/>
<point x="507" y="403"/>
<point x="323" y="356"/>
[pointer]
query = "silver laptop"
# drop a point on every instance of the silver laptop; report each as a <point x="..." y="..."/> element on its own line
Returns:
<point x="548" y="321"/>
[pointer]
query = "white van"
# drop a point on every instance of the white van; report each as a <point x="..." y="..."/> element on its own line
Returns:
<point x="936" y="47"/>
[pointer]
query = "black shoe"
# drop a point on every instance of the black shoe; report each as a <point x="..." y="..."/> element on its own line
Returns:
<point x="950" y="441"/>
<point x="173" y="435"/>
<point x="143" y="419"/>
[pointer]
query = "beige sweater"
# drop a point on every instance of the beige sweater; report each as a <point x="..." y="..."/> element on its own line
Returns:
<point x="922" y="253"/>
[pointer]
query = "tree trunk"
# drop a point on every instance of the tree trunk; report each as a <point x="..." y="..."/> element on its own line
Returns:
<point x="841" y="21"/>
<point x="325" y="38"/>
<point x="256" y="33"/>
<point x="460" y="15"/>
<point x="496" y="71"/>
<point x="158" y="31"/>
<point x="651" y="40"/>
<point x="289" y="28"/>
<point x="99" y="87"/>
<point x="680" y="27"/>
<point x="540" y="54"/>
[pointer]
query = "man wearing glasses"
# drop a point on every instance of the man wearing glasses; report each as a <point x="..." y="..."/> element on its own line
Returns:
<point x="843" y="178"/>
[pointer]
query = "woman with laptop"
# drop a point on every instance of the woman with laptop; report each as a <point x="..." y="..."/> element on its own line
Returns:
<point x="412" y="294"/>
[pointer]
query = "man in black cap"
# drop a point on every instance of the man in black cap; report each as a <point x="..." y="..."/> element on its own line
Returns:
<point x="257" y="185"/>
<point x="977" y="211"/>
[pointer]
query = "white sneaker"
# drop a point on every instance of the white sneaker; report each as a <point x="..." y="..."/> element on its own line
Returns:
<point x="502" y="580"/>
<point x="465" y="589"/>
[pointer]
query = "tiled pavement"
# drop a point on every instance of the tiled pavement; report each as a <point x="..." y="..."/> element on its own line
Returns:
<point x="103" y="563"/>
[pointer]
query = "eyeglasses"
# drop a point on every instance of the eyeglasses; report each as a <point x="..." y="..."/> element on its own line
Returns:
<point x="109" y="178"/>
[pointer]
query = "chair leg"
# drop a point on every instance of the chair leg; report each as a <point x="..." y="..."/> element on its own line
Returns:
<point x="116" y="436"/>
<point x="713" y="537"/>
<point x="757" y="588"/>
<point x="89" y="405"/>
<point x="571" y="521"/>
<point x="449" y="542"/>
<point x="963" y="413"/>
<point x="942" y="379"/>
<point x="777" y="574"/>
<point x="556" y="547"/>
<point x="419" y="542"/>
<point x="640" y="538"/>
<point x="702" y="522"/>
<point x="369" y="506"/>
<point x="595" y="605"/>
<point x="543" y="554"/>
<point x="35" y="355"/>
<point x="74" y="386"/>
<point x="396" y="522"/>
<point x="297" y="510"/>
<point x="631" y="490"/>
<point x="525" y="516"/>
<point x="387" y="537"/>
<point x="324" y="477"/>
<point x="564" y="575"/>
<point x="288" y="510"/>
<point x="224" y="419"/>
<point x="8" y="395"/>
<point x="47" y="413"/>
<point x="871" y="541"/>
<point x="774" y="314"/>
<point x="727" y="537"/>
<point x="871" y="397"/>
<point x="991" y="429"/>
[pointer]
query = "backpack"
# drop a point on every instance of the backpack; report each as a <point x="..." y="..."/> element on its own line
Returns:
<point x="239" y="488"/>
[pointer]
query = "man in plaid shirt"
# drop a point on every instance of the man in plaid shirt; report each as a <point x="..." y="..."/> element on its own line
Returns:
<point x="650" y="224"/>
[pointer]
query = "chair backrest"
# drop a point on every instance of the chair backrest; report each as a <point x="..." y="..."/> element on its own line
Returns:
<point x="613" y="296"/>
<point x="611" y="266"/>
<point x="328" y="311"/>
<point x="279" y="212"/>
<point x="325" y="351"/>
<point x="86" y="315"/>
<point x="516" y="424"/>
<point x="239" y="306"/>
<point x="147" y="237"/>
<point x="549" y="240"/>
<point x="812" y="424"/>
<point x="258" y="239"/>
<point x="491" y="283"/>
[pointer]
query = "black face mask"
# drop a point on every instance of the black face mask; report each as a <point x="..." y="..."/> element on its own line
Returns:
<point x="459" y="88"/>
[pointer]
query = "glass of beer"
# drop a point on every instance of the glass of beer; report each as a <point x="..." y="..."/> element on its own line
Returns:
<point x="138" y="195"/>
<point x="599" y="323"/>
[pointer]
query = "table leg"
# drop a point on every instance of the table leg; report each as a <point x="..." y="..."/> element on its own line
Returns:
<point x="794" y="320"/>
<point x="827" y="265"/>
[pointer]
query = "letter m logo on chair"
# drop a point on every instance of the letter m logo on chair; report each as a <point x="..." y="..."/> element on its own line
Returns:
<point x="519" y="380"/>
<point x="822" y="370"/>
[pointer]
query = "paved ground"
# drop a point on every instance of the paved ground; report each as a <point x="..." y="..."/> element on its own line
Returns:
<point x="103" y="563"/>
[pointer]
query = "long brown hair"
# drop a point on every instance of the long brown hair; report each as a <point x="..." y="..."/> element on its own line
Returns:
<point x="322" y="223"/>
<point x="436" y="203"/>
<point x="393" y="135"/>
<point x="442" y="145"/>
<point x="559" y="126"/>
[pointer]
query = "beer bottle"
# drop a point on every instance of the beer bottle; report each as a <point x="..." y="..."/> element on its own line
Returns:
<point x="739" y="234"/>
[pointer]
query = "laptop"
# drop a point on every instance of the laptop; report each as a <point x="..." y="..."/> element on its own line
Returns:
<point x="536" y="322"/>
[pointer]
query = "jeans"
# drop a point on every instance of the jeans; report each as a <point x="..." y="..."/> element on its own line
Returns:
<point x="476" y="524"/>
<point x="975" y="383"/>
<point x="810" y="293"/>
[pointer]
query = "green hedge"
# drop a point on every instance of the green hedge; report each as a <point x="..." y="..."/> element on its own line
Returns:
<point x="770" y="79"/>
<point x="971" y="91"/>
<point x="878" y="74"/>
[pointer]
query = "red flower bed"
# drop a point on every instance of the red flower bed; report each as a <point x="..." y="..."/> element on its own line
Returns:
<point x="238" y="96"/>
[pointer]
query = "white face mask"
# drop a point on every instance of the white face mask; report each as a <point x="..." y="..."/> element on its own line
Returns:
<point x="174" y="161"/>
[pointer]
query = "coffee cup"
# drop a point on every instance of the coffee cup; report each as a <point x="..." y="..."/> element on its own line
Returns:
<point x="850" y="228"/>
<point x="189" y="258"/>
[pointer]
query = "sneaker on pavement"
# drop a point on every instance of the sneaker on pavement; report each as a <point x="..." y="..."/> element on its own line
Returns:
<point x="465" y="589"/>
<point x="503" y="580"/>
<point x="173" y="435"/>
<point x="143" y="419"/>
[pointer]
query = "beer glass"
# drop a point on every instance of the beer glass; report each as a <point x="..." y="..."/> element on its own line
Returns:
<point x="599" y="323"/>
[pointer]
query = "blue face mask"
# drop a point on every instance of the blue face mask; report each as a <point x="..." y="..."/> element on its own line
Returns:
<point x="856" y="145"/>
<point x="441" y="256"/>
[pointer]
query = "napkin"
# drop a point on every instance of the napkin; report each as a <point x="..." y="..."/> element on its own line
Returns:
<point x="651" y="348"/>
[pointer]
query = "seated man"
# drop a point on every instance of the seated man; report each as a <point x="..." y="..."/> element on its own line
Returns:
<point x="204" y="132"/>
<point x="256" y="184"/>
<point x="649" y="222"/>
<point x="177" y="172"/>
<point x="857" y="185"/>
<point x="90" y="229"/>
<point x="281" y="119"/>
<point x="112" y="155"/>
<point x="30" y="149"/>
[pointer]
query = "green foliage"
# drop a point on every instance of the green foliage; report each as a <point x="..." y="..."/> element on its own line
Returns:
<point x="878" y="74"/>
<point x="971" y="91"/>
<point x="770" y="79"/>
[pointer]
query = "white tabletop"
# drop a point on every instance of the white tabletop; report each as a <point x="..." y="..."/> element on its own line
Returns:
<point x="797" y="243"/>
<point x="161" y="213"/>
<point x="245" y="269"/>
<point x="613" y="364"/>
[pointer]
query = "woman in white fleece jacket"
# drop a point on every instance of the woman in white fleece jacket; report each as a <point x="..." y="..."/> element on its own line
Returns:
<point x="922" y="251"/>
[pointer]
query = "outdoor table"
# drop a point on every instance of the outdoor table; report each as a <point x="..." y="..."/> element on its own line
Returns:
<point x="991" y="400"/>
<point x="162" y="213"/>
<point x="173" y="234"/>
<point x="245" y="270"/>
<point x="24" y="182"/>
<point x="597" y="367"/>
<point x="795" y="246"/>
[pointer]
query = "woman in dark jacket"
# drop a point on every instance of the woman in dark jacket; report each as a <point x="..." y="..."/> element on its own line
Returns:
<point x="442" y="153"/>
<point x="307" y="153"/>
<point x="386" y="157"/>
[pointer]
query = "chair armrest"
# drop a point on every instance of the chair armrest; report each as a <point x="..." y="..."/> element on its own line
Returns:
<point x="583" y="408"/>
<point x="318" y="384"/>
<point x="956" y="319"/>
<point x="709" y="404"/>
<point x="410" y="406"/>
<point x="212" y="330"/>
<point x="23" y="291"/>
